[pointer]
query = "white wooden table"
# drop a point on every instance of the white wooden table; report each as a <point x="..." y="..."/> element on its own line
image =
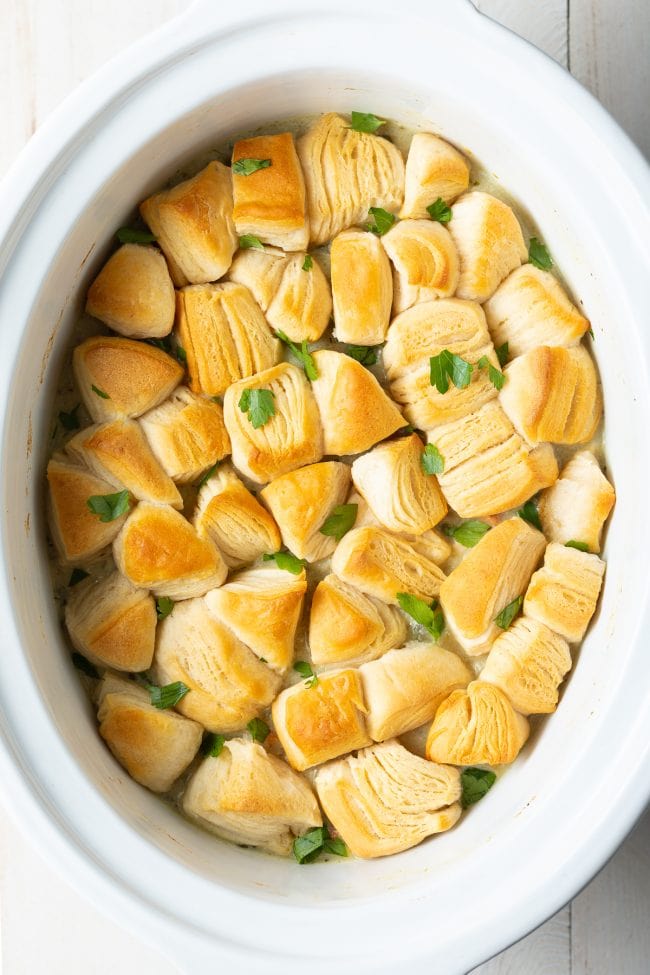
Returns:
<point x="46" y="48"/>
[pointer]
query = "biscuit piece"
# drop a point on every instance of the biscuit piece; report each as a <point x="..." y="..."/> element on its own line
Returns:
<point x="319" y="721"/>
<point x="403" y="689"/>
<point x="385" y="799"/>
<point x="250" y="797"/>
<point x="425" y="260"/>
<point x="194" y="226"/>
<point x="301" y="502"/>
<point x="355" y="411"/>
<point x="348" y="627"/>
<point x="393" y="482"/>
<point x="492" y="574"/>
<point x="426" y="330"/>
<point x="187" y="434"/>
<point x="159" y="550"/>
<point x="288" y="439"/>
<point x="346" y="172"/>
<point x="477" y="726"/>
<point x="112" y="624"/>
<point x="262" y="607"/>
<point x="563" y="594"/>
<point x="133" y="293"/>
<point x="431" y="544"/>
<point x="228" y="684"/>
<point x="489" y="241"/>
<point x="362" y="287"/>
<point x="530" y="308"/>
<point x="382" y="564"/>
<point x="295" y="299"/>
<point x="270" y="202"/>
<point x="528" y="662"/>
<point x="224" y="334"/>
<point x="433" y="169"/>
<point x="552" y="394"/>
<point x="577" y="506"/>
<point x="154" y="746"/>
<point x="488" y="468"/>
<point x="77" y="532"/>
<point x="234" y="519"/>
<point x="119" y="453"/>
<point x="118" y="377"/>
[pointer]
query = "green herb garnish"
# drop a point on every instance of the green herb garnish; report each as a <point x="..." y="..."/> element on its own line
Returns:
<point x="383" y="221"/>
<point x="206" y="477"/>
<point x="530" y="514"/>
<point x="167" y="696"/>
<point x="495" y="375"/>
<point x="581" y="546"/>
<point x="108" y="507"/>
<point x="308" y="263"/>
<point x="99" y="392"/>
<point x="365" y="354"/>
<point x="287" y="561"/>
<point x="469" y="533"/>
<point x="302" y="354"/>
<point x="305" y="670"/>
<point x="164" y="606"/>
<point x="212" y="745"/>
<point x="475" y="783"/>
<point x="77" y="575"/>
<point x="84" y="666"/>
<point x="308" y="847"/>
<point x="366" y="122"/>
<point x="70" y="421"/>
<point x="439" y="211"/>
<point x="340" y="521"/>
<point x="163" y="344"/>
<point x="538" y="255"/>
<point x="259" y="406"/>
<point x="428" y="615"/>
<point x="508" y="613"/>
<point x="259" y="729"/>
<point x="247" y="241"/>
<point x="503" y="354"/>
<point x="432" y="460"/>
<point x="245" y="167"/>
<point x="129" y="235"/>
<point x="447" y="365"/>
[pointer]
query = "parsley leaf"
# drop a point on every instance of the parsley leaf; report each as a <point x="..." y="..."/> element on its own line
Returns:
<point x="308" y="263"/>
<point x="302" y="354"/>
<point x="100" y="392"/>
<point x="181" y="354"/>
<point x="212" y="745"/>
<point x="246" y="241"/>
<point x="287" y="561"/>
<point x="383" y="221"/>
<point x="530" y="514"/>
<point x="503" y="354"/>
<point x="439" y="211"/>
<point x="84" y="666"/>
<point x="108" y="507"/>
<point x="495" y="376"/>
<point x="128" y="235"/>
<point x="77" y="575"/>
<point x="427" y="615"/>
<point x="340" y="521"/>
<point x="366" y="122"/>
<point x="259" y="406"/>
<point x="308" y="847"/>
<point x="508" y="613"/>
<point x="432" y="460"/>
<point x="167" y="696"/>
<point x="468" y="533"/>
<point x="538" y="255"/>
<point x="163" y="344"/>
<point x="164" y="606"/>
<point x="581" y="546"/>
<point x="365" y="354"/>
<point x="206" y="477"/>
<point x="259" y="729"/>
<point x="448" y="366"/>
<point x="305" y="670"/>
<point x="475" y="783"/>
<point x="245" y="167"/>
<point x="70" y="421"/>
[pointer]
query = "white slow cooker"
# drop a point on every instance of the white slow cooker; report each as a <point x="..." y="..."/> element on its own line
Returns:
<point x="569" y="800"/>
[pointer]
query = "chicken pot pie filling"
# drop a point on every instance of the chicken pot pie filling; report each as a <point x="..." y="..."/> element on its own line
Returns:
<point x="326" y="500"/>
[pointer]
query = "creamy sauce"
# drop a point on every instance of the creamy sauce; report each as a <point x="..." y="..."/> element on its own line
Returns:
<point x="67" y="398"/>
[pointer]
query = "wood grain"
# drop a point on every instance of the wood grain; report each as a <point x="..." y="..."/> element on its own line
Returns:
<point x="542" y="22"/>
